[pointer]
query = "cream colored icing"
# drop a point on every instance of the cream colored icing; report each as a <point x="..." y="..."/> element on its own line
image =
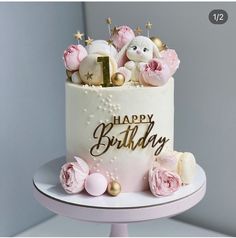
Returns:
<point x="89" y="106"/>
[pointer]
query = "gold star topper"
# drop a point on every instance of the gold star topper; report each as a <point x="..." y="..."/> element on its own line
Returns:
<point x="138" y="31"/>
<point x="88" y="41"/>
<point x="115" y="30"/>
<point x="78" y="35"/>
<point x="110" y="42"/>
<point x="89" y="76"/>
<point x="148" y="25"/>
<point x="108" y="21"/>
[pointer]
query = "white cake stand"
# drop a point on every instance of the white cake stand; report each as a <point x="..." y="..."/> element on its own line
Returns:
<point x="118" y="211"/>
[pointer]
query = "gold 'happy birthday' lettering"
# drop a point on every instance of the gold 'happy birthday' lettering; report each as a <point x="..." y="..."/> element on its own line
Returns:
<point x="105" y="140"/>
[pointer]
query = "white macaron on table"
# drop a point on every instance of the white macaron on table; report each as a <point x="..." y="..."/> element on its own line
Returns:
<point x="118" y="211"/>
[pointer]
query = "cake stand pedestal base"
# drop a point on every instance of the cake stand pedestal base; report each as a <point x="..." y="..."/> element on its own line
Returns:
<point x="118" y="211"/>
<point x="119" y="230"/>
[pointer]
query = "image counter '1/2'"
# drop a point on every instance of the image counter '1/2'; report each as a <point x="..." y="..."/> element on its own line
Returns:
<point x="218" y="16"/>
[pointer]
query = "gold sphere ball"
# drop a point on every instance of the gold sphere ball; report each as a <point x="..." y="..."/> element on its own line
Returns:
<point x="159" y="44"/>
<point x="118" y="79"/>
<point x="113" y="188"/>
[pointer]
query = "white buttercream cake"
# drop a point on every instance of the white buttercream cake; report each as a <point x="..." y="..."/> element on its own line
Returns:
<point x="118" y="130"/>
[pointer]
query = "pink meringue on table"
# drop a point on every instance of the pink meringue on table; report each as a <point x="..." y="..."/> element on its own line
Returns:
<point x="154" y="73"/>
<point x="170" y="57"/>
<point x="123" y="35"/>
<point x="163" y="182"/>
<point x="73" y="55"/>
<point x="73" y="175"/>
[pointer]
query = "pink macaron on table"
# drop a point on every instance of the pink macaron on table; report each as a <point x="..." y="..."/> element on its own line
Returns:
<point x="118" y="211"/>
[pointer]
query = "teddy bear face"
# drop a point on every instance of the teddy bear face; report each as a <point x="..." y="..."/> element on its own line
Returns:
<point x="140" y="50"/>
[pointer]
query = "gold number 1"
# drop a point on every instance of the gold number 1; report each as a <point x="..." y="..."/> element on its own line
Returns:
<point x="105" y="69"/>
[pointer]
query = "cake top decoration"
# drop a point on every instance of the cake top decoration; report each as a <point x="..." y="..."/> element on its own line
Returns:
<point x="126" y="58"/>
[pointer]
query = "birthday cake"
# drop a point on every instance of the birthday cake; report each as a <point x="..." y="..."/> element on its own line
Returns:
<point x="120" y="116"/>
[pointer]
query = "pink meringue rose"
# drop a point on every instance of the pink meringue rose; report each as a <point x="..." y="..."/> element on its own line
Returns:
<point x="124" y="35"/>
<point x="73" y="55"/>
<point x="163" y="182"/>
<point x="73" y="175"/>
<point x="154" y="73"/>
<point x="170" y="57"/>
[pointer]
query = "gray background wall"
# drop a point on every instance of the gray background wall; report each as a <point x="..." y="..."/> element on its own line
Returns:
<point x="33" y="37"/>
<point x="205" y="96"/>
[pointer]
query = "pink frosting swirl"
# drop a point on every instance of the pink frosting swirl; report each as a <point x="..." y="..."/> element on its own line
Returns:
<point x="73" y="55"/>
<point x="73" y="175"/>
<point x="170" y="57"/>
<point x="154" y="73"/>
<point x="124" y="35"/>
<point x="163" y="182"/>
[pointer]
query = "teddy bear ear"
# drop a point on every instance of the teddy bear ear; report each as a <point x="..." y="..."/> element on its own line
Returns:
<point x="121" y="57"/>
<point x="156" y="52"/>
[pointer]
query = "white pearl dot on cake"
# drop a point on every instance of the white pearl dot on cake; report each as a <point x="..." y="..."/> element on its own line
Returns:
<point x="110" y="96"/>
<point x="98" y="170"/>
<point x="85" y="110"/>
<point x="97" y="164"/>
<point x="91" y="115"/>
<point x="101" y="121"/>
<point x="116" y="178"/>
<point x="86" y="92"/>
<point x="88" y="122"/>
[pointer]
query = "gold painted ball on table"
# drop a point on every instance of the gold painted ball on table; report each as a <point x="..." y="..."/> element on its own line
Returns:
<point x="113" y="188"/>
<point x="159" y="44"/>
<point x="117" y="79"/>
